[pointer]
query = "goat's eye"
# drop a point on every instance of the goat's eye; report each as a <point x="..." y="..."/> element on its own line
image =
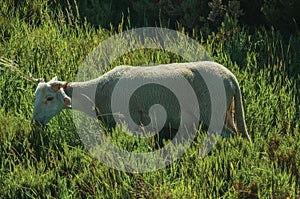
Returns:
<point x="49" y="98"/>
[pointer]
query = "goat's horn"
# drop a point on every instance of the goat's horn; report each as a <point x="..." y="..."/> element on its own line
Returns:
<point x="38" y="80"/>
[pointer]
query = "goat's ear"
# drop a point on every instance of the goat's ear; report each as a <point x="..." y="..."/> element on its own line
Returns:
<point x="64" y="85"/>
<point x="53" y="79"/>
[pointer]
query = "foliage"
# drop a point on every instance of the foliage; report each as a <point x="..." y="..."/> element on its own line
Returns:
<point x="191" y="14"/>
<point x="283" y="14"/>
<point x="51" y="162"/>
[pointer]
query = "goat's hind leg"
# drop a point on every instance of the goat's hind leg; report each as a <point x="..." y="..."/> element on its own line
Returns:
<point x="229" y="127"/>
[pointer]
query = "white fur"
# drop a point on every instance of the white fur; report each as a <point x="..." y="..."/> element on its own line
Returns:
<point x="105" y="84"/>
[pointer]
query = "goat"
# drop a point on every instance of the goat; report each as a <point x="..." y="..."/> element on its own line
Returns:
<point x="54" y="96"/>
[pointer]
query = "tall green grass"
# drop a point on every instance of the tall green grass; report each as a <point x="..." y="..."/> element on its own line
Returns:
<point x="51" y="162"/>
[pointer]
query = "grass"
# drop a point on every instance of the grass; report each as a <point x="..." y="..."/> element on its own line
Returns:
<point x="51" y="162"/>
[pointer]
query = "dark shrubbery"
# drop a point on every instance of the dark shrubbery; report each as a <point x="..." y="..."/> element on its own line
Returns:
<point x="283" y="14"/>
<point x="192" y="14"/>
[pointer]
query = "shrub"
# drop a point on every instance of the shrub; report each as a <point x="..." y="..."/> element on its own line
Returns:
<point x="283" y="14"/>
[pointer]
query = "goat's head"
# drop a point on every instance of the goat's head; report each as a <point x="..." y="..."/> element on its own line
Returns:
<point x="50" y="100"/>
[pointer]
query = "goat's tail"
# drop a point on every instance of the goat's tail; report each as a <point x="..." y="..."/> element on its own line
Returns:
<point x="239" y="115"/>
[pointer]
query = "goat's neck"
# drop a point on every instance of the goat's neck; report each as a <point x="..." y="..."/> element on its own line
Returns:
<point x="87" y="88"/>
<point x="82" y="95"/>
<point x="69" y="89"/>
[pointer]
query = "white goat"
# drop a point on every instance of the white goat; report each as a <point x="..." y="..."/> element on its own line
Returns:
<point x="53" y="96"/>
<point x="50" y="100"/>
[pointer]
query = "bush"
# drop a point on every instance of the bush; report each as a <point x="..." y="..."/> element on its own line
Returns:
<point x="283" y="14"/>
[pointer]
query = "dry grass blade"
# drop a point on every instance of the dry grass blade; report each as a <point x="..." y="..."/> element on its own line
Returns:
<point x="14" y="68"/>
<point x="9" y="64"/>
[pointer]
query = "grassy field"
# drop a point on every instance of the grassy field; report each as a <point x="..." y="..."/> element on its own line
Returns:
<point x="51" y="162"/>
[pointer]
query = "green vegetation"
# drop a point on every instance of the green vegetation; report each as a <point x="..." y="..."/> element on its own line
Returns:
<point x="51" y="162"/>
